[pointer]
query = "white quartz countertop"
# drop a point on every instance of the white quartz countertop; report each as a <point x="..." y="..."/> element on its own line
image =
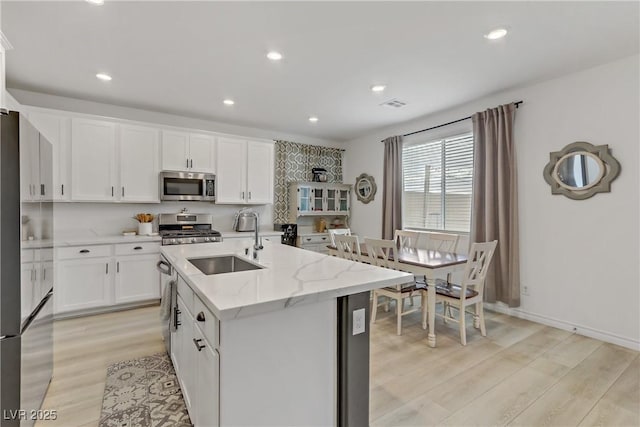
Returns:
<point x="291" y="276"/>
<point x="248" y="234"/>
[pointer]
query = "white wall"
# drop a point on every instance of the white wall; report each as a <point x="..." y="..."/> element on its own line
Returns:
<point x="579" y="259"/>
<point x="109" y="110"/>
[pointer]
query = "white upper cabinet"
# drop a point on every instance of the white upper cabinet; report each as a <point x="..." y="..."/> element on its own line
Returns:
<point x="201" y="153"/>
<point x="93" y="160"/>
<point x="244" y="172"/>
<point x="139" y="164"/>
<point x="231" y="176"/>
<point x="55" y="129"/>
<point x="259" y="172"/>
<point x="182" y="151"/>
<point x="29" y="162"/>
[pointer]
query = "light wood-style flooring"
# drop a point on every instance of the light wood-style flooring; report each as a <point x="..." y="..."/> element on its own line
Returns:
<point x="523" y="373"/>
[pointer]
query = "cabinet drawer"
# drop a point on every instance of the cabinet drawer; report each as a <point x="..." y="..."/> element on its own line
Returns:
<point x="314" y="238"/>
<point x="208" y="323"/>
<point x="186" y="294"/>
<point x="137" y="248"/>
<point x="89" y="251"/>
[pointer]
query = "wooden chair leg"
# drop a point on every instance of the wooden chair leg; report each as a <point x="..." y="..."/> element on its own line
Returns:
<point x="463" y="326"/>
<point x="374" y="309"/>
<point x="399" y="304"/>
<point x="476" y="316"/>
<point x="445" y="308"/>
<point x="386" y="305"/>
<point x="483" y="329"/>
<point x="424" y="309"/>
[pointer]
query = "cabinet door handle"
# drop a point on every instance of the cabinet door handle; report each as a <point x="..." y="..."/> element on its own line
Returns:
<point x="112" y="191"/>
<point x="42" y="189"/>
<point x="324" y="238"/>
<point x="187" y="163"/>
<point x="198" y="345"/>
<point x="106" y="270"/>
<point x="243" y="195"/>
<point x="118" y="267"/>
<point x="176" y="320"/>
<point x="137" y="248"/>
<point x="85" y="251"/>
<point x="123" y="191"/>
<point x="191" y="165"/>
<point x="200" y="317"/>
<point x="62" y="188"/>
<point x="249" y="195"/>
<point x="308" y="240"/>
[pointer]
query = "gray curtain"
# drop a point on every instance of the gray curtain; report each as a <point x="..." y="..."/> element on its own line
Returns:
<point x="293" y="163"/>
<point x="392" y="187"/>
<point x="495" y="200"/>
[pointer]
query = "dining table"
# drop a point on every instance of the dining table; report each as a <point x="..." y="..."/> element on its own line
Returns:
<point x="430" y="263"/>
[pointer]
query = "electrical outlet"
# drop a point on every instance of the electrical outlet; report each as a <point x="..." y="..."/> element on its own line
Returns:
<point x="525" y="290"/>
<point x="358" y="321"/>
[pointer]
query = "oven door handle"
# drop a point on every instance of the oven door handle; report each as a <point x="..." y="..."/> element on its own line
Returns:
<point x="164" y="268"/>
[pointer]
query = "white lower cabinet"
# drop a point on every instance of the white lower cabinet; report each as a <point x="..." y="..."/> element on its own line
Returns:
<point x="82" y="284"/>
<point x="95" y="276"/>
<point x="196" y="361"/>
<point x="137" y="279"/>
<point x="207" y="384"/>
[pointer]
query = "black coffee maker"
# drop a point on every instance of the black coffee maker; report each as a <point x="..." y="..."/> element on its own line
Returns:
<point x="289" y="234"/>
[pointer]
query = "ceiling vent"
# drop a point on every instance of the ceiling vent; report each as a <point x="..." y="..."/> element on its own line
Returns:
<point x="395" y="103"/>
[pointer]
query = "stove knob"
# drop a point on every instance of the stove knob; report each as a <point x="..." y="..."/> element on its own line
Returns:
<point x="173" y="241"/>
<point x="207" y="239"/>
<point x="193" y="240"/>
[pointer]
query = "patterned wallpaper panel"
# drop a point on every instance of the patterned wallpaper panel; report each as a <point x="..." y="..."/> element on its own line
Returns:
<point x="294" y="163"/>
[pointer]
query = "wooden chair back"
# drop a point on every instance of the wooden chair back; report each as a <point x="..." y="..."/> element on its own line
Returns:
<point x="381" y="253"/>
<point x="475" y="271"/>
<point x="406" y="239"/>
<point x="338" y="231"/>
<point x="442" y="241"/>
<point x="348" y="247"/>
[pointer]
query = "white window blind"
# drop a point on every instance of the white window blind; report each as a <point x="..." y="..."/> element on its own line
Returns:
<point x="437" y="177"/>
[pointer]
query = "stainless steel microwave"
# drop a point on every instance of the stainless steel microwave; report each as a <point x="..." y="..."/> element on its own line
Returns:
<point x="192" y="186"/>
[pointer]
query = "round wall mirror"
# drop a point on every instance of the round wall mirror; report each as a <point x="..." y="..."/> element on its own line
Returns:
<point x="365" y="188"/>
<point x="581" y="170"/>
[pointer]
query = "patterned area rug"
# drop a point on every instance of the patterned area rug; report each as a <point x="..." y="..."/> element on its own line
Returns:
<point x="143" y="393"/>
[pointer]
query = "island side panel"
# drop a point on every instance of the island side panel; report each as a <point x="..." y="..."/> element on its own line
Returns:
<point x="280" y="368"/>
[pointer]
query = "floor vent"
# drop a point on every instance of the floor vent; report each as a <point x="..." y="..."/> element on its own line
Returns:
<point x="395" y="103"/>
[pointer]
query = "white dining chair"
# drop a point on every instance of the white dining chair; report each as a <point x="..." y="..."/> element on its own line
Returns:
<point x="469" y="292"/>
<point x="348" y="247"/>
<point x="381" y="253"/>
<point x="445" y="242"/>
<point x="338" y="232"/>
<point x="406" y="238"/>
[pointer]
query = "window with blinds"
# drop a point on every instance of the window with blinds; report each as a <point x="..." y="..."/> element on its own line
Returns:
<point x="437" y="177"/>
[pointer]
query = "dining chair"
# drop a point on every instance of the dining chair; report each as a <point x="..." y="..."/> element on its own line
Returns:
<point x="469" y="292"/>
<point x="381" y="253"/>
<point x="348" y="247"/>
<point x="338" y="231"/>
<point x="445" y="242"/>
<point x="406" y="239"/>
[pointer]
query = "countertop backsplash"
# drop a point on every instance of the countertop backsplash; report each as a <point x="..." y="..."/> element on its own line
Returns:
<point x="74" y="220"/>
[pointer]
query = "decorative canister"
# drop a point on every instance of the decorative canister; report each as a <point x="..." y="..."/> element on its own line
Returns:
<point x="144" y="228"/>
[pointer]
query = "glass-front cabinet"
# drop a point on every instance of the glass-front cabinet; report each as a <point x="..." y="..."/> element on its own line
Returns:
<point x="318" y="198"/>
<point x="303" y="194"/>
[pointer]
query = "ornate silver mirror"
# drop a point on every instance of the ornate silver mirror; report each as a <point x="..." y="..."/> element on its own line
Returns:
<point x="581" y="170"/>
<point x="365" y="188"/>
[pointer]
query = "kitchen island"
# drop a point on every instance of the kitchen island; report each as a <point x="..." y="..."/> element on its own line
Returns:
<point x="270" y="346"/>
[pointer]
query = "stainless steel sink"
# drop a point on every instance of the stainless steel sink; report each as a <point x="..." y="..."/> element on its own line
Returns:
<point x="222" y="264"/>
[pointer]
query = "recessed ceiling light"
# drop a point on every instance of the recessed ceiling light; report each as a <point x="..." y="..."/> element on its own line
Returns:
<point x="496" y="34"/>
<point x="228" y="102"/>
<point x="104" y="77"/>
<point x="96" y="2"/>
<point x="378" y="88"/>
<point x="313" y="119"/>
<point x="274" y="56"/>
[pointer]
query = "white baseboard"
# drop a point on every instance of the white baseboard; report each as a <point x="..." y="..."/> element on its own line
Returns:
<point x="561" y="324"/>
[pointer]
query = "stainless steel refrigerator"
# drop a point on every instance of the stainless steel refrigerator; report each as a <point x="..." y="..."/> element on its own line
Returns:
<point x="26" y="270"/>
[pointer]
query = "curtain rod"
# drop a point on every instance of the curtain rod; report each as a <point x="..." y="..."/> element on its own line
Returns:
<point x="517" y="104"/>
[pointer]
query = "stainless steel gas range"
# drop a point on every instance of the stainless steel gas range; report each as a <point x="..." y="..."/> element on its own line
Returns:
<point x="185" y="228"/>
